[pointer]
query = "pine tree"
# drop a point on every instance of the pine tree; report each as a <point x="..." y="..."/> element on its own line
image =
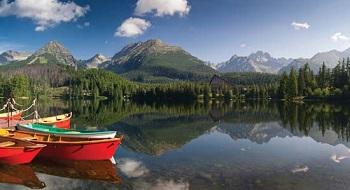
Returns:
<point x="292" y="89"/>
<point x="301" y="82"/>
<point x="282" y="90"/>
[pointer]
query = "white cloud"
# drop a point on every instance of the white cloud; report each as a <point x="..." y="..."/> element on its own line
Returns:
<point x="45" y="13"/>
<point x="162" y="7"/>
<point x="243" y="45"/>
<point x="132" y="168"/>
<point x="132" y="27"/>
<point x="299" y="25"/>
<point x="84" y="25"/>
<point x="339" y="37"/>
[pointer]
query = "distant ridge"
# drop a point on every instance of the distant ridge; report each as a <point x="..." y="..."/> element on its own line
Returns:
<point x="156" y="61"/>
<point x="11" y="55"/>
<point x="261" y="62"/>
<point x="330" y="58"/>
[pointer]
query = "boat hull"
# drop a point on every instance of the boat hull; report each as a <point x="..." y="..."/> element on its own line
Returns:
<point x="91" y="151"/>
<point x="71" y="148"/>
<point x="9" y="116"/>
<point x="25" y="157"/>
<point x="63" y="123"/>
<point x="20" y="152"/>
<point x="69" y="133"/>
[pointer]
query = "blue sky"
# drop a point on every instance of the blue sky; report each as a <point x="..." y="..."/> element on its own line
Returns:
<point x="210" y="30"/>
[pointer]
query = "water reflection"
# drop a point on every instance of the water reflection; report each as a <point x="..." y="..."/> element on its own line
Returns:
<point x="240" y="145"/>
<point x="102" y="170"/>
<point x="20" y="175"/>
<point x="132" y="168"/>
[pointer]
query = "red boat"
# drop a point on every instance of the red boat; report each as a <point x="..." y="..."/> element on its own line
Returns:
<point x="16" y="115"/>
<point x="60" y="121"/>
<point x="14" y="151"/>
<point x="70" y="147"/>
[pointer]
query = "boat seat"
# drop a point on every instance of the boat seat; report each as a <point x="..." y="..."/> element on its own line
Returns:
<point x="7" y="144"/>
<point x="28" y="138"/>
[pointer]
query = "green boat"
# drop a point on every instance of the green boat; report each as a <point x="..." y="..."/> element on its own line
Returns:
<point x="38" y="128"/>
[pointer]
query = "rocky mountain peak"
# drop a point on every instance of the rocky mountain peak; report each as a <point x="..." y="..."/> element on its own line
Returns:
<point x="155" y="42"/>
<point x="52" y="47"/>
<point x="56" y="50"/>
<point x="100" y="57"/>
<point x="260" y="56"/>
<point x="95" y="61"/>
<point x="142" y="48"/>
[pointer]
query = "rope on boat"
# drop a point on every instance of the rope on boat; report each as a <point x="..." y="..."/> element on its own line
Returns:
<point x="4" y="107"/>
<point x="30" y="107"/>
<point x="36" y="116"/>
<point x="24" y="117"/>
<point x="15" y="103"/>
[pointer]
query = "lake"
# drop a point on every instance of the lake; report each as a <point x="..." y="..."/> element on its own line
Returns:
<point x="234" y="145"/>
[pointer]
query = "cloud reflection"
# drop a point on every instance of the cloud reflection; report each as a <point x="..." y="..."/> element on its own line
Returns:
<point x="338" y="159"/>
<point x="132" y="168"/>
<point x="162" y="185"/>
<point x="299" y="169"/>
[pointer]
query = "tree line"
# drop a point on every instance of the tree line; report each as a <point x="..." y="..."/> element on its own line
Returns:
<point x="326" y="84"/>
<point x="96" y="83"/>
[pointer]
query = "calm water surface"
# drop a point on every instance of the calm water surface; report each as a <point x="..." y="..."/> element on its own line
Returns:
<point x="262" y="145"/>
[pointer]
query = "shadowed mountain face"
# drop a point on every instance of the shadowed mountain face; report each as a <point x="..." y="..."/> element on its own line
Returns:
<point x="155" y="61"/>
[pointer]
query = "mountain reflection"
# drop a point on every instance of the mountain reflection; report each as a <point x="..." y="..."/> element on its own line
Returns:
<point x="155" y="129"/>
<point x="246" y="145"/>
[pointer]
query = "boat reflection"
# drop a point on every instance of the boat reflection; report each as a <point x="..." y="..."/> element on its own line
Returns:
<point x="20" y="175"/>
<point x="102" y="170"/>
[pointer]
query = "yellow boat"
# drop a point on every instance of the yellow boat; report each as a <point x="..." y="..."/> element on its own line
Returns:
<point x="60" y="121"/>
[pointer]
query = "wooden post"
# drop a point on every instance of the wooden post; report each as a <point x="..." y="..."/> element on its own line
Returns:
<point x="8" y="115"/>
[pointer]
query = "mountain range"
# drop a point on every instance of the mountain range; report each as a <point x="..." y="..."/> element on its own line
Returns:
<point x="260" y="61"/>
<point x="263" y="62"/>
<point x="150" y="61"/>
<point x="156" y="61"/>
<point x="9" y="56"/>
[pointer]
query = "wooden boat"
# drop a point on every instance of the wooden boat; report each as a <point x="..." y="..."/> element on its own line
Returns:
<point x="37" y="128"/>
<point x="71" y="148"/>
<point x="14" y="151"/>
<point x="20" y="175"/>
<point x="60" y="121"/>
<point x="99" y="170"/>
<point x="16" y="115"/>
